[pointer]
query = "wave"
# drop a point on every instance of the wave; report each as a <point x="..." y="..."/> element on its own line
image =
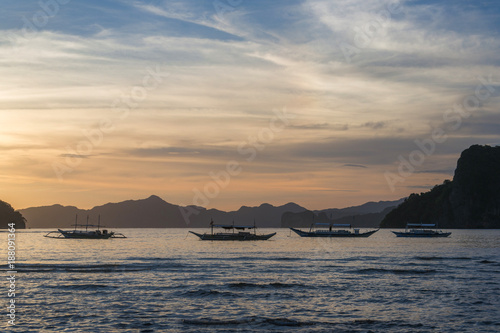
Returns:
<point x="275" y="285"/>
<point x="287" y="322"/>
<point x="81" y="287"/>
<point x="257" y="259"/>
<point x="92" y="268"/>
<point x="386" y="324"/>
<point x="211" y="322"/>
<point x="283" y="323"/>
<point x="442" y="258"/>
<point x="151" y="259"/>
<point x="208" y="293"/>
<point x="286" y="259"/>
<point x="258" y="320"/>
<point x="487" y="262"/>
<point x="395" y="271"/>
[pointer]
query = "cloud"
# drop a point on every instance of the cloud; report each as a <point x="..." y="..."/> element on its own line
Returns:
<point x="227" y="70"/>
<point x="375" y="125"/>
<point x="74" y="155"/>
<point x="198" y="23"/>
<point x="322" y="126"/>
<point x="333" y="190"/>
<point x="201" y="151"/>
<point x="355" y="165"/>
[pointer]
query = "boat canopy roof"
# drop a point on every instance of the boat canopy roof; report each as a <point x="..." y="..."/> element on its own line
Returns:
<point x="230" y="226"/>
<point x="333" y="225"/>
<point x="420" y="225"/>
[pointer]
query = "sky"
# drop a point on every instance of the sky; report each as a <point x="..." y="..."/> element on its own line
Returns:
<point x="239" y="102"/>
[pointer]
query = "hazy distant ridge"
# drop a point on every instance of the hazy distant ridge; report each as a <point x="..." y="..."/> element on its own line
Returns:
<point x="368" y="215"/>
<point x="154" y="212"/>
<point x="366" y="208"/>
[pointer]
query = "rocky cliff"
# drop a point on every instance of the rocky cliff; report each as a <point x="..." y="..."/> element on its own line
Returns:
<point x="470" y="200"/>
<point x="9" y="215"/>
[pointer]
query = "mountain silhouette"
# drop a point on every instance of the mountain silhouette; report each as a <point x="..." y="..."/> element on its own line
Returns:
<point x="154" y="212"/>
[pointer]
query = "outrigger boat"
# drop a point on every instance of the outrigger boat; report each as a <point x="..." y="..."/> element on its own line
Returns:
<point x="226" y="235"/>
<point x="418" y="230"/>
<point x="85" y="234"/>
<point x="329" y="231"/>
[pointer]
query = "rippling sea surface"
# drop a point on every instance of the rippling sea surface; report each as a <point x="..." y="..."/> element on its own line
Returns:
<point x="164" y="280"/>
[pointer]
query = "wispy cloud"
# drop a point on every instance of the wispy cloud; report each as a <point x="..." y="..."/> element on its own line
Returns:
<point x="355" y="165"/>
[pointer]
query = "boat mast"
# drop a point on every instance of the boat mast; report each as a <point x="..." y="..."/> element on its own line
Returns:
<point x="312" y="224"/>
<point x="87" y="225"/>
<point x="98" y="221"/>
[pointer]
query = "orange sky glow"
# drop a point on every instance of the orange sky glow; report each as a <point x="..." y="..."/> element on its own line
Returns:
<point x="240" y="107"/>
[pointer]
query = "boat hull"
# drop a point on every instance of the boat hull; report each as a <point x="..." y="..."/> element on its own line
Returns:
<point x="332" y="234"/>
<point x="233" y="237"/>
<point x="421" y="235"/>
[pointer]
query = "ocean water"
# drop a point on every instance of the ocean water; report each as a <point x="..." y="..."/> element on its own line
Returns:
<point x="166" y="280"/>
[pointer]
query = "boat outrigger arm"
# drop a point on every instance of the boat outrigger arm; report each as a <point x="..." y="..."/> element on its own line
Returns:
<point x="97" y="234"/>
